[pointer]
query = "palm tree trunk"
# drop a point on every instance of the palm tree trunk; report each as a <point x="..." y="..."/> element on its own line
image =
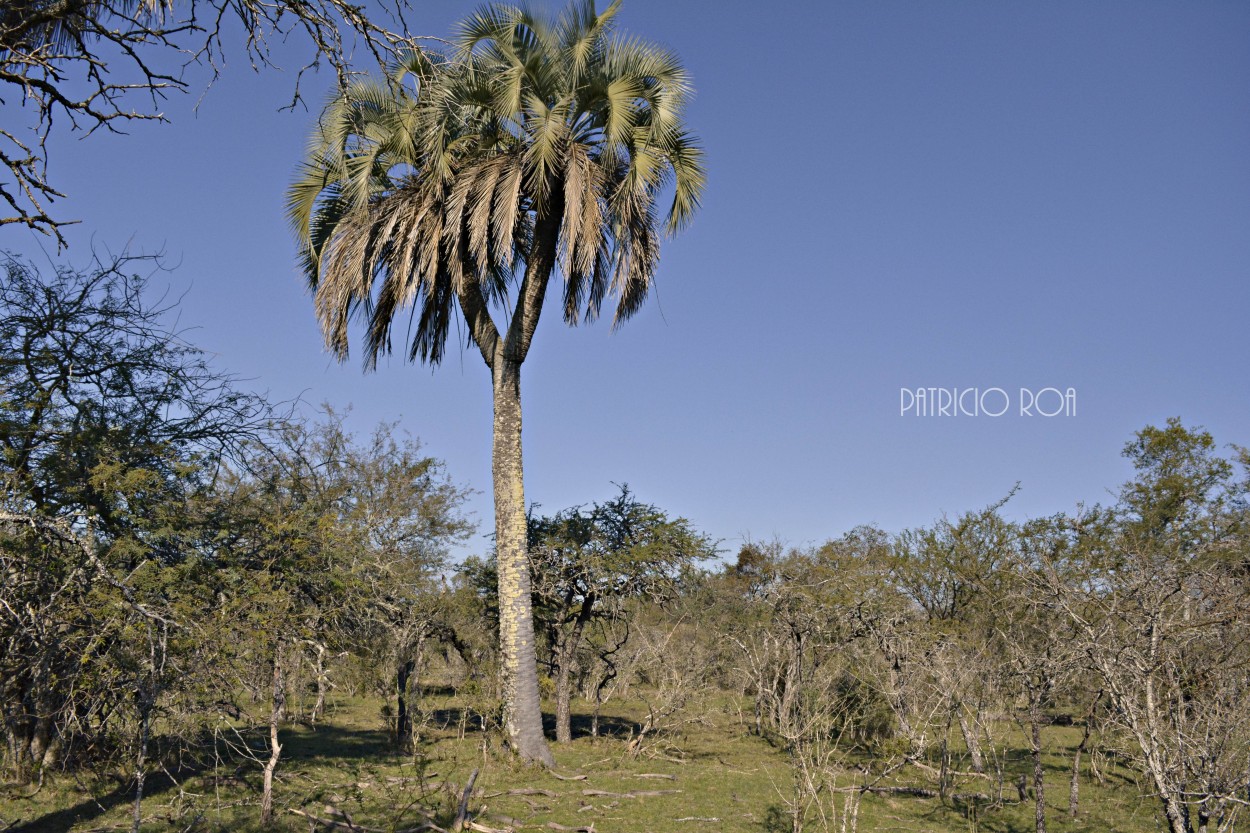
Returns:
<point x="519" y="663"/>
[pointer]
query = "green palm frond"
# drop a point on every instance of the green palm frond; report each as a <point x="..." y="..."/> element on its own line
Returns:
<point x="492" y="25"/>
<point x="583" y="30"/>
<point x="685" y="155"/>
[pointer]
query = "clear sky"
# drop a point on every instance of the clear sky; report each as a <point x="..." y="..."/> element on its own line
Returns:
<point x="902" y="195"/>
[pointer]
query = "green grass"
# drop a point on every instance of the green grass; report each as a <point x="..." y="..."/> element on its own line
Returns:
<point x="724" y="780"/>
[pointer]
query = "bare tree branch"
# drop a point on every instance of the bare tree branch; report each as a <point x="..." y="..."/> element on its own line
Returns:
<point x="87" y="65"/>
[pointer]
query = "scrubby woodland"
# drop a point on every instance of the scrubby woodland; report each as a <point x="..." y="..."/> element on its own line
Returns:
<point x="222" y="613"/>
<point x="217" y="613"/>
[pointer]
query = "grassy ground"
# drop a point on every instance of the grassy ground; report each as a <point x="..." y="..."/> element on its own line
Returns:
<point x="712" y="776"/>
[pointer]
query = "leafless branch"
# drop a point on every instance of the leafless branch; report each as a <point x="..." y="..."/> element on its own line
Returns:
<point x="89" y="65"/>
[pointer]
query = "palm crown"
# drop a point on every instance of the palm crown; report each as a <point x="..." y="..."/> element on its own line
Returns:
<point x="535" y="144"/>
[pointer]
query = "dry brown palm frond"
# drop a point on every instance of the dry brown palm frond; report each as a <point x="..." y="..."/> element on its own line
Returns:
<point x="479" y="213"/>
<point x="507" y="205"/>
<point x="394" y="243"/>
<point x="583" y="233"/>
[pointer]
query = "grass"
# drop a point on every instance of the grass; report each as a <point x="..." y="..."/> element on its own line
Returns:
<point x="712" y="776"/>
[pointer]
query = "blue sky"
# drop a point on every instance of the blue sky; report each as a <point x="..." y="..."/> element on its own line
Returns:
<point x="902" y="195"/>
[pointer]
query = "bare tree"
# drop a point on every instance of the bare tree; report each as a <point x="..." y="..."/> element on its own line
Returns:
<point x="1162" y="610"/>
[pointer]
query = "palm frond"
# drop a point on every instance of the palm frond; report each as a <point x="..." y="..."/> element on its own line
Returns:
<point x="431" y="183"/>
<point x="583" y="32"/>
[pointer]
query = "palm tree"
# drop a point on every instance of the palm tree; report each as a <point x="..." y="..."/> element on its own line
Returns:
<point x="466" y="180"/>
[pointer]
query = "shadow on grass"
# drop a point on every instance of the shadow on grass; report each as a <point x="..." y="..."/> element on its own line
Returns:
<point x="581" y="724"/>
<point x="62" y="821"/>
<point x="326" y="742"/>
<point x="333" y="742"/>
<point x="454" y="718"/>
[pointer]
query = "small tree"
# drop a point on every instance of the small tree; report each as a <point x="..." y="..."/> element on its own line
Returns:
<point x="587" y="563"/>
<point x="807" y="652"/>
<point x="111" y="430"/>
<point x="1161" y="607"/>
<point x="337" y="545"/>
<point x="958" y="576"/>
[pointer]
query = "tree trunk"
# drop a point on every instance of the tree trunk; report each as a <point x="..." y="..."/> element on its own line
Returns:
<point x="522" y="712"/>
<point x="898" y="700"/>
<point x="40" y="743"/>
<point x="141" y="757"/>
<point x="403" y="720"/>
<point x="145" y="699"/>
<point x="564" y="696"/>
<point x="1177" y="814"/>
<point x="606" y="678"/>
<point x="971" y="742"/>
<point x="566" y="655"/>
<point x="319" y="706"/>
<point x="275" y="748"/>
<point x="759" y="709"/>
<point x="1074" y="789"/>
<point x="1039" y="788"/>
<point x="944" y="777"/>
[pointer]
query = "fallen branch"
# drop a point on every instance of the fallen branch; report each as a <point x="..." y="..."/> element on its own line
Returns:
<point x="407" y="779"/>
<point x="697" y="818"/>
<point x="663" y="775"/>
<point x="915" y="792"/>
<point x="462" y="812"/>
<point x="636" y="794"/>
<point x="481" y="828"/>
<point x="567" y="777"/>
<point x="334" y="824"/>
<point x="554" y="826"/>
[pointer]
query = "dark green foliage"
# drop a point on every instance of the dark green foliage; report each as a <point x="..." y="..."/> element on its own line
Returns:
<point x="617" y="549"/>
<point x="164" y="535"/>
<point x="111" y="429"/>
